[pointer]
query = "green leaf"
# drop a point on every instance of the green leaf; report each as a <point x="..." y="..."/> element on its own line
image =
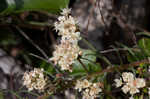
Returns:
<point x="144" y="44"/>
<point x="145" y="90"/>
<point x="88" y="58"/>
<point x="47" y="67"/>
<point x="12" y="6"/>
<point x="143" y="33"/>
<point x="143" y="52"/>
<point x="1" y="95"/>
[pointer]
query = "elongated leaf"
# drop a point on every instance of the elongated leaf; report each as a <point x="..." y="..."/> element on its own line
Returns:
<point x="144" y="44"/>
<point x="12" y="6"/>
<point x="143" y="52"/>
<point x="89" y="60"/>
<point x="143" y="33"/>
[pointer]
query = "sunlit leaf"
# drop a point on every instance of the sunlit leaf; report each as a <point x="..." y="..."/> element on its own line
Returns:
<point x="88" y="58"/>
<point x="12" y="6"/>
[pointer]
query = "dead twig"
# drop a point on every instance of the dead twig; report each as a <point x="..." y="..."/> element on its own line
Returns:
<point x="55" y="67"/>
<point x="119" y="68"/>
<point x="35" y="45"/>
<point x="12" y="85"/>
<point x="90" y="15"/>
<point x="102" y="17"/>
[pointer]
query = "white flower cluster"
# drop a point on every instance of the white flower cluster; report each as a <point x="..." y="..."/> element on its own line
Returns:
<point x="68" y="50"/>
<point x="130" y="83"/>
<point x="34" y="80"/>
<point x="90" y="90"/>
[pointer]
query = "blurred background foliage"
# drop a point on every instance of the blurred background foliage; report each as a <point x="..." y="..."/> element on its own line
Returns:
<point x="13" y="6"/>
<point x="34" y="23"/>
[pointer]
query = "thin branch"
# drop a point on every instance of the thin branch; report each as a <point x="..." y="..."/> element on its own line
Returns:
<point x="121" y="67"/>
<point x="113" y="50"/>
<point x="12" y="85"/>
<point x="35" y="45"/>
<point x="55" y="67"/>
<point x="30" y="26"/>
<point x="102" y="17"/>
<point x="90" y="15"/>
<point x="83" y="66"/>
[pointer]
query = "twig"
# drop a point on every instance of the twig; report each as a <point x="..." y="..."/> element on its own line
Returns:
<point x="83" y="66"/>
<point x="30" y="26"/>
<point x="55" y="67"/>
<point x="102" y="17"/>
<point x="11" y="85"/>
<point x="121" y="67"/>
<point x="35" y="45"/>
<point x="90" y="15"/>
<point x="113" y="50"/>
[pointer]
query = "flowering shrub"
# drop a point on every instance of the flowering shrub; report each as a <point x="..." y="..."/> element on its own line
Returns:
<point x="79" y="69"/>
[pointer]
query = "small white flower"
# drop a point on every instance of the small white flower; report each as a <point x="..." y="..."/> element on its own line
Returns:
<point x="135" y="84"/>
<point x="86" y="83"/>
<point x="118" y="82"/>
<point x="94" y="90"/>
<point x="127" y="76"/>
<point x="79" y="85"/>
<point x="149" y="92"/>
<point x="140" y="82"/>
<point x="90" y="90"/>
<point x="149" y="69"/>
<point x="61" y="18"/>
<point x="82" y="84"/>
<point x="125" y="88"/>
<point x="131" y="97"/>
<point x="65" y="11"/>
<point x="86" y="94"/>
<point x="133" y="90"/>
